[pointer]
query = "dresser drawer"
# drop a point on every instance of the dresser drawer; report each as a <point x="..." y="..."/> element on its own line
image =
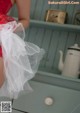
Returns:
<point x="48" y="99"/>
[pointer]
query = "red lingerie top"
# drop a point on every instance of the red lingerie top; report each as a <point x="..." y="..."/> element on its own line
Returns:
<point x="5" y="6"/>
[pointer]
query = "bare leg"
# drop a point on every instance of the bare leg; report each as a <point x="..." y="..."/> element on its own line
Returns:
<point x="1" y="72"/>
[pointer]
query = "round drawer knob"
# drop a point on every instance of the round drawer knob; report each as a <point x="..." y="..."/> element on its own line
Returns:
<point x="48" y="101"/>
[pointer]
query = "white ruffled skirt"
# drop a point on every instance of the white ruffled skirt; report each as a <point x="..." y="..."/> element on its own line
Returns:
<point x="21" y="60"/>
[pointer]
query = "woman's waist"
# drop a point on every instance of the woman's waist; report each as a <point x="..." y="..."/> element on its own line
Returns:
<point x="5" y="18"/>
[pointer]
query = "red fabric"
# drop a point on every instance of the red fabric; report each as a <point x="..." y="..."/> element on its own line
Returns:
<point x="5" y="6"/>
<point x="5" y="18"/>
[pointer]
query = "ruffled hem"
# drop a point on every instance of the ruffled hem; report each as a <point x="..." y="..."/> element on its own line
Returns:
<point x="21" y="60"/>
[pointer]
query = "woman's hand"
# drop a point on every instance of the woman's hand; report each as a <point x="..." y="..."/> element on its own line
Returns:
<point x="18" y="28"/>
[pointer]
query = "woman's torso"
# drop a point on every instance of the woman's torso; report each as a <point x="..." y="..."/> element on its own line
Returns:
<point x="5" y="6"/>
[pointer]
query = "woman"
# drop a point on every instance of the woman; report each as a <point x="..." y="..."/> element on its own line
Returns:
<point x="24" y="17"/>
<point x="19" y="60"/>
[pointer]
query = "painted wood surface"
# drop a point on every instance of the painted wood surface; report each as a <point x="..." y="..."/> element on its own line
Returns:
<point x="49" y="81"/>
<point x="64" y="100"/>
<point x="49" y="39"/>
